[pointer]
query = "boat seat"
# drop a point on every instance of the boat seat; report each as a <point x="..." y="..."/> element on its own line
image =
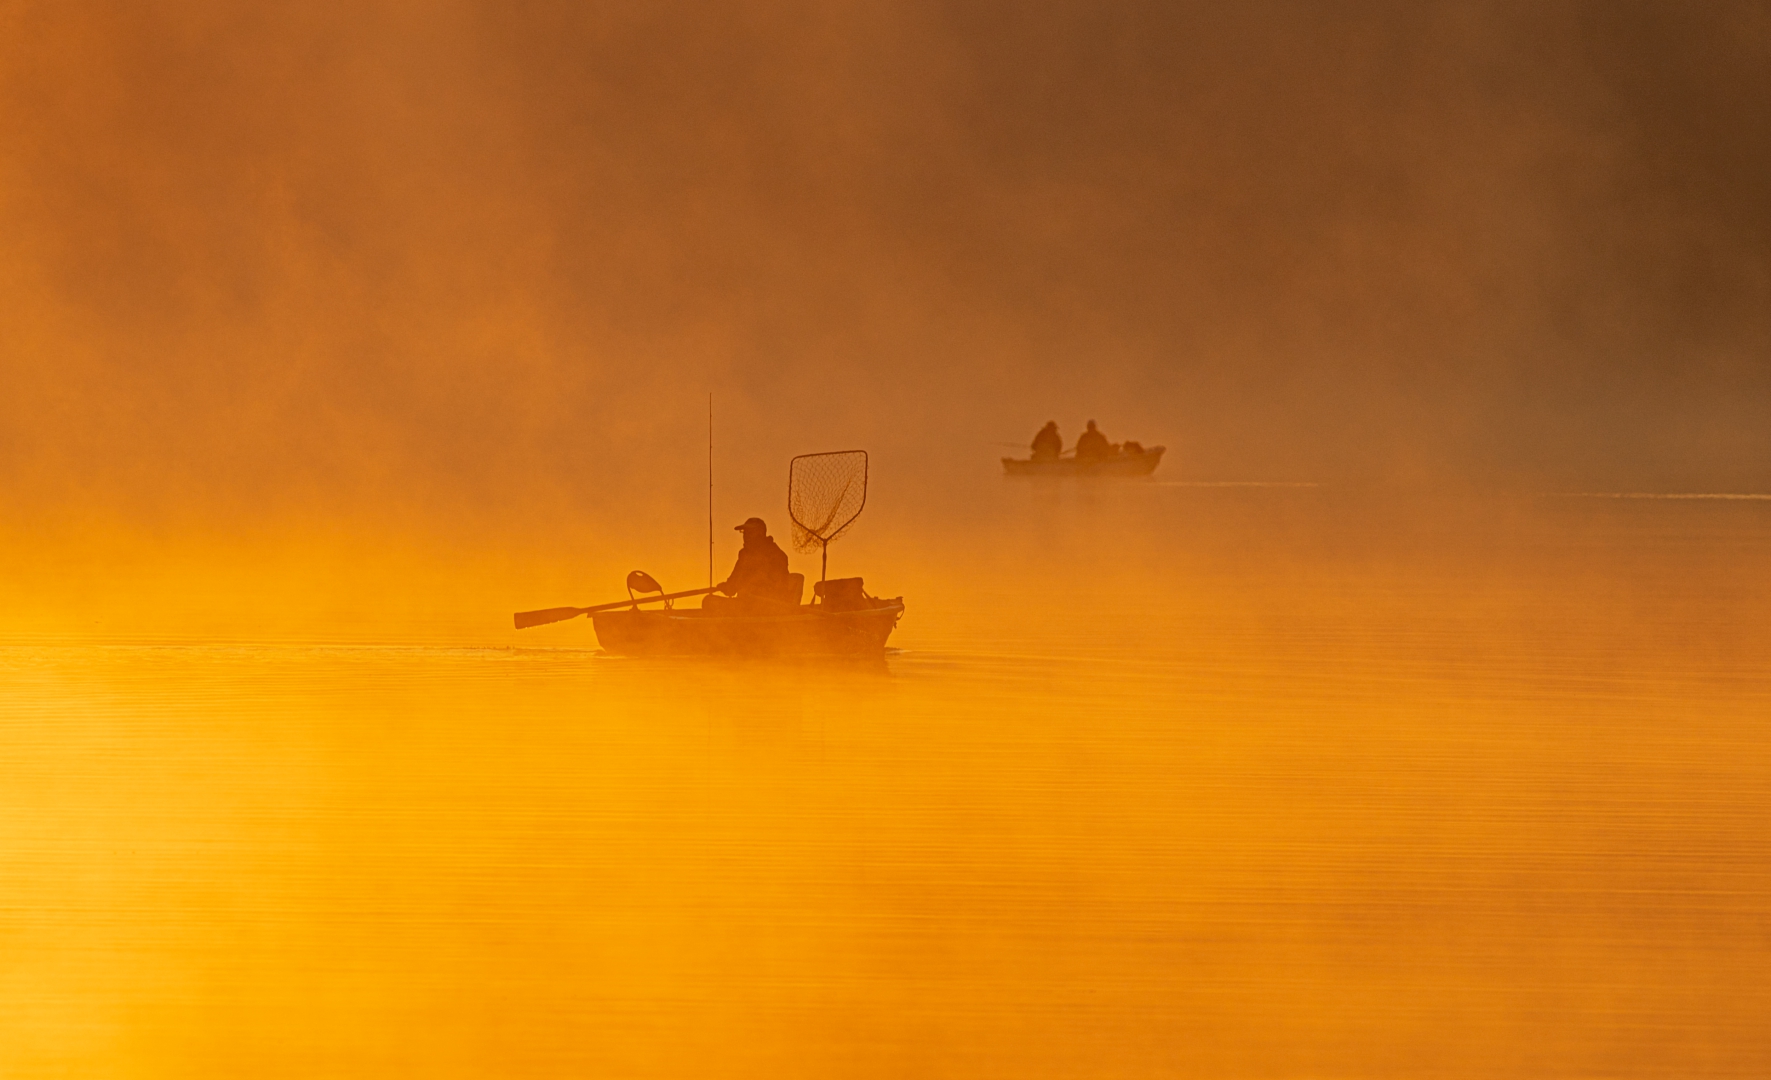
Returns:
<point x="841" y="594"/>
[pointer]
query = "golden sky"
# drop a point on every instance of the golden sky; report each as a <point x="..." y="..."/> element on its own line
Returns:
<point x="488" y="258"/>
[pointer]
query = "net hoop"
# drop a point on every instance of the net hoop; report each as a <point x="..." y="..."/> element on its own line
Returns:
<point x="825" y="494"/>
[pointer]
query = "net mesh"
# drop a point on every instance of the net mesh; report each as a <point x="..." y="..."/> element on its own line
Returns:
<point x="825" y="494"/>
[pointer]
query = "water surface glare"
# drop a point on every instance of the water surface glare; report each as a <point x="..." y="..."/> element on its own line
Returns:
<point x="1486" y="798"/>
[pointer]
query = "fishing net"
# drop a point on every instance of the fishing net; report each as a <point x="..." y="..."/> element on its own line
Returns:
<point x="825" y="494"/>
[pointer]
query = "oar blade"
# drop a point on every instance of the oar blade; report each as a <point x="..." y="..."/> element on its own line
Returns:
<point x="526" y="619"/>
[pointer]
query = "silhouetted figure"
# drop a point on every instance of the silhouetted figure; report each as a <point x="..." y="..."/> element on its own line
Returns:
<point x="1091" y="445"/>
<point x="1048" y="445"/>
<point x="760" y="572"/>
<point x="1131" y="449"/>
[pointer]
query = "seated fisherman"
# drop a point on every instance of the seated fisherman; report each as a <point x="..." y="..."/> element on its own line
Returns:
<point x="1091" y="445"/>
<point x="1048" y="444"/>
<point x="760" y="573"/>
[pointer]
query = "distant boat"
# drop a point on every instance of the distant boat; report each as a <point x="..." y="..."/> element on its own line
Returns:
<point x="1139" y="464"/>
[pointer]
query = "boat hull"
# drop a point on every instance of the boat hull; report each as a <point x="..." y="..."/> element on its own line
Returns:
<point x="1130" y="465"/>
<point x="809" y="631"/>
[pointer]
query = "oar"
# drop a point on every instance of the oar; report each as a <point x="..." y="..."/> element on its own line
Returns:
<point x="526" y="619"/>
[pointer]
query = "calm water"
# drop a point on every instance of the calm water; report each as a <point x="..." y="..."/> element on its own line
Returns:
<point x="1211" y="782"/>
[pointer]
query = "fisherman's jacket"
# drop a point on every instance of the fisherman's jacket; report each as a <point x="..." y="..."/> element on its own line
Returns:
<point x="762" y="567"/>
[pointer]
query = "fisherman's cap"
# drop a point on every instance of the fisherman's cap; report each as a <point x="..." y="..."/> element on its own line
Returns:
<point x="758" y="523"/>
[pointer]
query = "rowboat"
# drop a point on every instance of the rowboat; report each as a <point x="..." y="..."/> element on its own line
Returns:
<point x="825" y="494"/>
<point x="842" y="620"/>
<point x="1139" y="464"/>
<point x="806" y="630"/>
